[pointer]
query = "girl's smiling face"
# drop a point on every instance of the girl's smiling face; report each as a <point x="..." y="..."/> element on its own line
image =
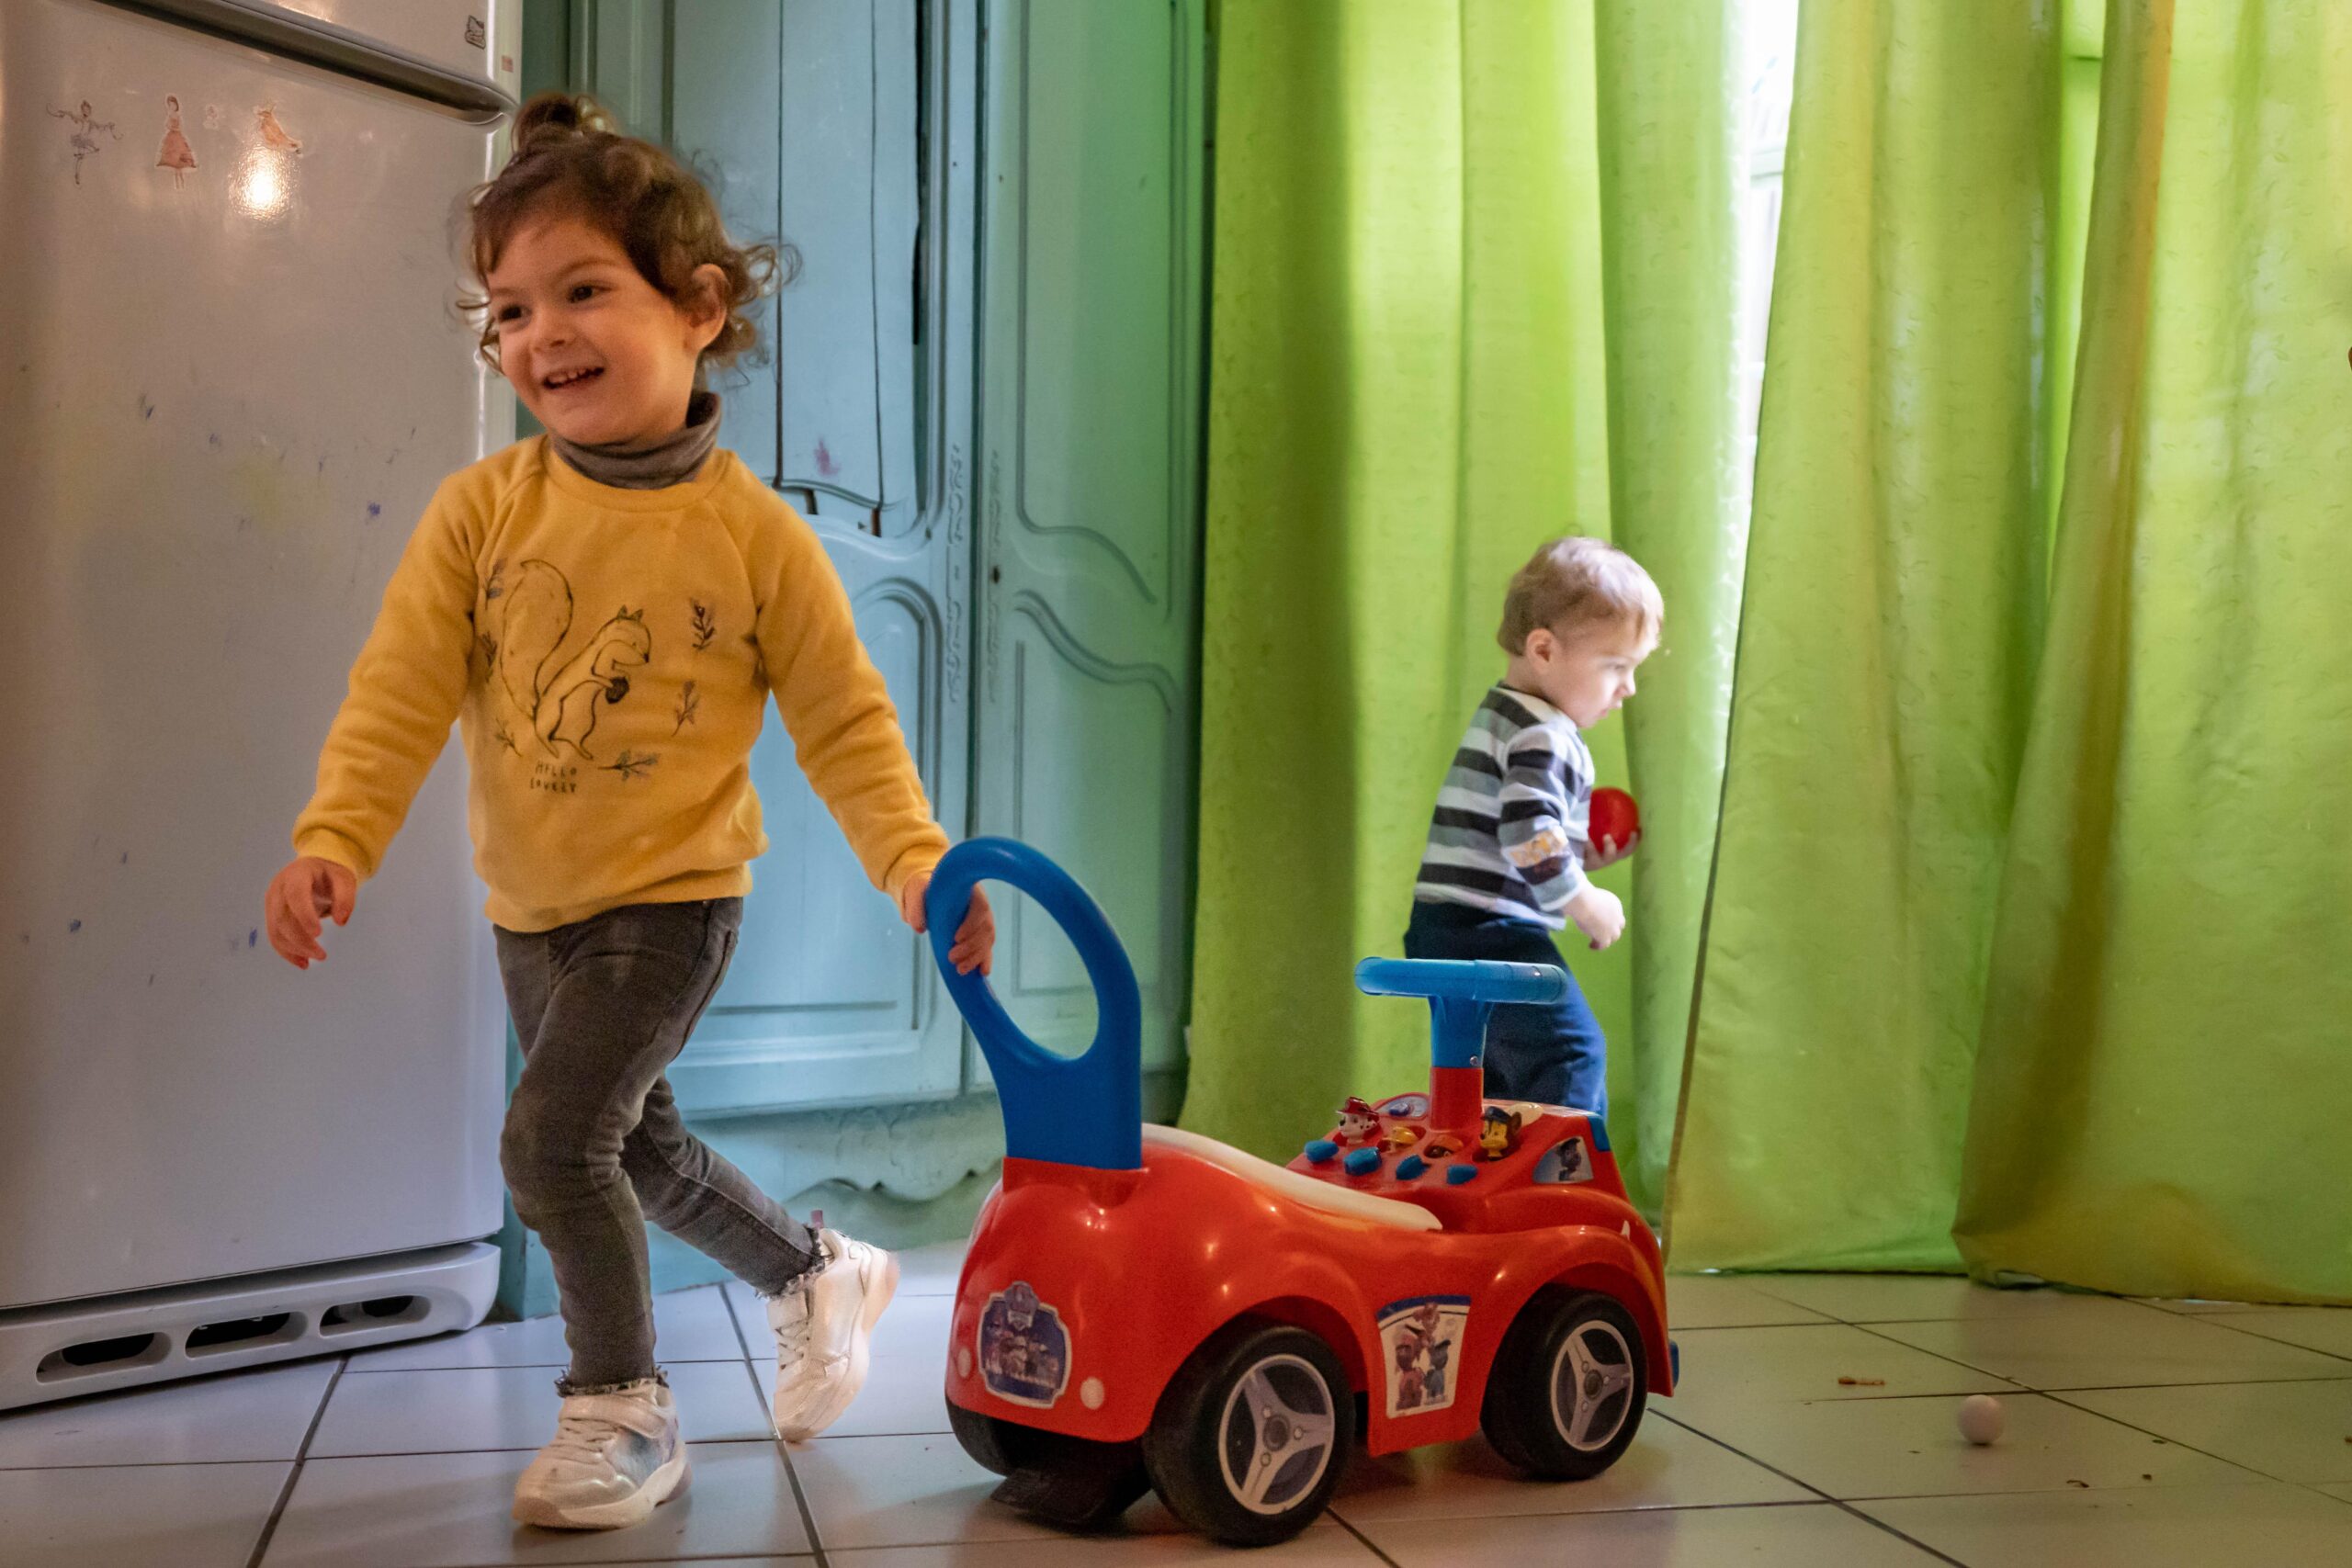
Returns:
<point x="599" y="356"/>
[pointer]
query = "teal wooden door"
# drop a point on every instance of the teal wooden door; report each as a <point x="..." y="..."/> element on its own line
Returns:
<point x="1091" y="245"/>
<point x="833" y="125"/>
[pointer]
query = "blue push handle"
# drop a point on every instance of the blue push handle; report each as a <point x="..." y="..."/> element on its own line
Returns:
<point x="1459" y="993"/>
<point x="1082" y="1111"/>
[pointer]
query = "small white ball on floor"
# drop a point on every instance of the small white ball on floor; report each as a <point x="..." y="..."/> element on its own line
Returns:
<point x="1981" y="1419"/>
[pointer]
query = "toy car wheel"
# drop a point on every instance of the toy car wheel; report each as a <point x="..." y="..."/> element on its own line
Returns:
<point x="994" y="1445"/>
<point x="1074" y="1483"/>
<point x="1568" y="1386"/>
<point x="1253" y="1434"/>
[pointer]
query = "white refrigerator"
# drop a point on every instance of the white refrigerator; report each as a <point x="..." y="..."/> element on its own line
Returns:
<point x="232" y="372"/>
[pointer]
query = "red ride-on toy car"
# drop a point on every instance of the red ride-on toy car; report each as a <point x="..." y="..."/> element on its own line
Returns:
<point x="1144" y="1307"/>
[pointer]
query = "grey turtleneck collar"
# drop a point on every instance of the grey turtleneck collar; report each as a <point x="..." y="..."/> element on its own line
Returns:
<point x="673" y="461"/>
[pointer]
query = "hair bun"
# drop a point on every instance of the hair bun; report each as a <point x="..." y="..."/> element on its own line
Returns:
<point x="553" y="117"/>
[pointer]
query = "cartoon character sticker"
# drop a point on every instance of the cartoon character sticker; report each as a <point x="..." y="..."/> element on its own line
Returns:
<point x="1565" y="1162"/>
<point x="1421" y="1340"/>
<point x="84" y="140"/>
<point x="1025" y="1349"/>
<point x="175" y="154"/>
<point x="1407" y="1107"/>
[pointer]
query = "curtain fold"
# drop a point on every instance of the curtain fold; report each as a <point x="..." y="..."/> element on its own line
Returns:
<point x="1407" y="393"/>
<point x="2044" y="930"/>
<point x="1886" y="645"/>
<point x="2161" y="1100"/>
<point x="1671" y="181"/>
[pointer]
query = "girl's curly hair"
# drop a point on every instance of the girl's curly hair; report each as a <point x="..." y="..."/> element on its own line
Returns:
<point x="570" y="159"/>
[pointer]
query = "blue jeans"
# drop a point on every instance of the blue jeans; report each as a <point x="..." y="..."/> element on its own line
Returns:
<point x="1550" y="1054"/>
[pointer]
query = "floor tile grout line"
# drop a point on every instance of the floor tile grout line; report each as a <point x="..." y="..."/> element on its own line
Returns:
<point x="642" y="1561"/>
<point x="137" y="1464"/>
<point x="536" y="1366"/>
<point x="1838" y="1503"/>
<point x="2174" y="1442"/>
<point x="1873" y="1330"/>
<point x="743" y="1340"/>
<point x="2015" y="1384"/>
<point x="748" y="1442"/>
<point x="791" y="1474"/>
<point x="439" y="1453"/>
<point x="2012" y="1392"/>
<point x="2156" y="1306"/>
<point x="2266" y="1339"/>
<point x="2020" y="1383"/>
<point x="1610" y="1510"/>
<point x="294" y="1470"/>
<point x="1349" y="1525"/>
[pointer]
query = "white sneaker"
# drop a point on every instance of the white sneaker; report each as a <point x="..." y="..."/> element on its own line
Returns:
<point x="823" y="1325"/>
<point x="614" y="1459"/>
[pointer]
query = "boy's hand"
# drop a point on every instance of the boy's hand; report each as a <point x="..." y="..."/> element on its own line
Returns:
<point x="975" y="945"/>
<point x="1609" y="851"/>
<point x="1599" y="915"/>
<point x="300" y="897"/>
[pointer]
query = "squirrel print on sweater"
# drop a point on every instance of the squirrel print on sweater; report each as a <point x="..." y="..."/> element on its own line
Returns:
<point x="527" y="621"/>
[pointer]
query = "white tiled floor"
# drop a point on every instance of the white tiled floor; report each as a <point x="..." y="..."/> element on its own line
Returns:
<point x="2148" y="1434"/>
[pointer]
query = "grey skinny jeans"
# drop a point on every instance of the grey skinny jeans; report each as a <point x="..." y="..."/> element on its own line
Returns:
<point x="593" y="1146"/>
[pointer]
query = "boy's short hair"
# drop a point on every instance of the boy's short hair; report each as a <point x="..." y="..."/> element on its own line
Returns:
<point x="1572" y="582"/>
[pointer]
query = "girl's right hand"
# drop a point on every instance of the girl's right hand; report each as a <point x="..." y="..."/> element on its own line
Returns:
<point x="300" y="898"/>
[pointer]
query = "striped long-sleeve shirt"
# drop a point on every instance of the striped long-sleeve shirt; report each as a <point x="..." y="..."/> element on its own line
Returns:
<point x="1509" y="830"/>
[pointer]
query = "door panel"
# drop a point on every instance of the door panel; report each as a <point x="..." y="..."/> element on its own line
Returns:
<point x="813" y="130"/>
<point x="847" y="426"/>
<point x="1089" y="391"/>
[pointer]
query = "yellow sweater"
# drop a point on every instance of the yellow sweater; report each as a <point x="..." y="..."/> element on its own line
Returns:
<point x="608" y="654"/>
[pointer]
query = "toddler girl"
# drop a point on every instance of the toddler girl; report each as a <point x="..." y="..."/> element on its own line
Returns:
<point x="603" y="611"/>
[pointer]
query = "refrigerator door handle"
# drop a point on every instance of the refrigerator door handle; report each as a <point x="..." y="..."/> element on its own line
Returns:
<point x="324" y="44"/>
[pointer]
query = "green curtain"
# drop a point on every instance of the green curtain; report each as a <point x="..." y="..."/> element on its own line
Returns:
<point x="1407" y="392"/>
<point x="2162" y="1099"/>
<point x="1886" y="648"/>
<point x="2045" y="929"/>
<point x="1670" y="182"/>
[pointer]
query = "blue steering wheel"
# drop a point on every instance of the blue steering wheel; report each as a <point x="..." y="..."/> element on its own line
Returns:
<point x="1461" y="992"/>
<point x="1085" y="1110"/>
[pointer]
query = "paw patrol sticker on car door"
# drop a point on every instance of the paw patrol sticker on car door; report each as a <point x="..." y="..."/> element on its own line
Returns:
<point x="1565" y="1161"/>
<point x="1421" y="1340"/>
<point x="1025" y="1349"/>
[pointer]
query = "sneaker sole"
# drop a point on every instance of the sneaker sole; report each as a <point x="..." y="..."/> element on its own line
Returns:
<point x="660" y="1487"/>
<point x="877" y="1298"/>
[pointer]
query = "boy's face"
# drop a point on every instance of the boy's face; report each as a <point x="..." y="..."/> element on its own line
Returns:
<point x="599" y="356"/>
<point x="1587" y="673"/>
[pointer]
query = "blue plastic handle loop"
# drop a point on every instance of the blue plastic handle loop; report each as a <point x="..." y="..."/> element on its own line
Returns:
<point x="1459" y="993"/>
<point x="1082" y="1111"/>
